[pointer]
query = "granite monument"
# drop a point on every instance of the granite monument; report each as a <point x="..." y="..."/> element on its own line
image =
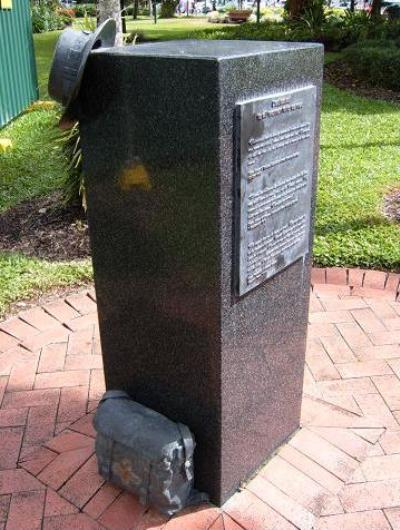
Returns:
<point x="201" y="160"/>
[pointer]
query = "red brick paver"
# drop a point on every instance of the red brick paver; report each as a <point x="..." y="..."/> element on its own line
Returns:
<point x="340" y="471"/>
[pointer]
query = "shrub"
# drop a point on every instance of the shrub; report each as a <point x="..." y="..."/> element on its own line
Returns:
<point x="89" y="9"/>
<point x="372" y="43"/>
<point x="393" y="12"/>
<point x="314" y="14"/>
<point x="266" y="30"/>
<point x="377" y="65"/>
<point x="67" y="15"/>
<point x="64" y="12"/>
<point x="168" y="8"/>
<point x="336" y="32"/>
<point x="46" y="18"/>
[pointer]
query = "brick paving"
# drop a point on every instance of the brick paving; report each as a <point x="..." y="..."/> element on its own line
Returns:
<point x="341" y="470"/>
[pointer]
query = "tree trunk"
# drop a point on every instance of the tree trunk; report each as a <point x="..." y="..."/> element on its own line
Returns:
<point x="258" y="2"/>
<point x="135" y="9"/>
<point x="352" y="5"/>
<point x="296" y="8"/>
<point x="123" y="15"/>
<point x="376" y="9"/>
<point x="112" y="9"/>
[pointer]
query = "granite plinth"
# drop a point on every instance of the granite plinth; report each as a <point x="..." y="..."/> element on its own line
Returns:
<point x="158" y="131"/>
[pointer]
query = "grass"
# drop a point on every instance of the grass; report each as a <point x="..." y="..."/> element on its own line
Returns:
<point x="182" y="27"/>
<point x="44" y="49"/>
<point x="35" y="166"/>
<point x="22" y="277"/>
<point x="359" y="161"/>
<point x="168" y="29"/>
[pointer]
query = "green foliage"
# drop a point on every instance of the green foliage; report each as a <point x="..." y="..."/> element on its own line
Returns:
<point x="67" y="16"/>
<point x="22" y="277"/>
<point x="378" y="65"/>
<point x="36" y="165"/>
<point x="44" y="50"/>
<point x="46" y="17"/>
<point x="74" y="182"/>
<point x="372" y="43"/>
<point x="168" y="8"/>
<point x="334" y="31"/>
<point x="227" y="7"/>
<point x="82" y="10"/>
<point x="358" y="164"/>
<point x="314" y="14"/>
<point x="168" y="28"/>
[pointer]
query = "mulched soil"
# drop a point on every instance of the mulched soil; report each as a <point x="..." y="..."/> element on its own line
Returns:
<point x="391" y="206"/>
<point x="44" y="228"/>
<point x="340" y="75"/>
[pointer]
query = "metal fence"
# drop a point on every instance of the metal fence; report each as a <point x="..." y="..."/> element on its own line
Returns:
<point x="18" y="78"/>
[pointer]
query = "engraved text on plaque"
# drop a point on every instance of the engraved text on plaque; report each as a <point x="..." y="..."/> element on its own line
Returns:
<point x="275" y="145"/>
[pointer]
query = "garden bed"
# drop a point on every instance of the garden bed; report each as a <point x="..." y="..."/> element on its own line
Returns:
<point x="45" y="229"/>
<point x="340" y="74"/>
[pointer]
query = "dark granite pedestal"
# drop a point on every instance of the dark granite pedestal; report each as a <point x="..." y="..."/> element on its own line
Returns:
<point x="188" y="326"/>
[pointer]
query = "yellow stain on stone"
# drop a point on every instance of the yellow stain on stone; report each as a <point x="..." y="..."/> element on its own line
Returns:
<point x="5" y="145"/>
<point x="135" y="176"/>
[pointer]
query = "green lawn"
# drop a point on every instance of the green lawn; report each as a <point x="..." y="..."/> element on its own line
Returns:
<point x="359" y="161"/>
<point x="44" y="49"/>
<point x="168" y="29"/>
<point x="182" y="27"/>
<point x="35" y="166"/>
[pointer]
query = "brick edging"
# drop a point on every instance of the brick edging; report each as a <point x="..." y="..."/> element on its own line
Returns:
<point x="357" y="280"/>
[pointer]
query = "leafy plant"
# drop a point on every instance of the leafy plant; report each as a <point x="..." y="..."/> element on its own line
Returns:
<point x="82" y="10"/>
<point x="46" y="18"/>
<point x="67" y="15"/>
<point x="335" y="31"/>
<point x="378" y="65"/>
<point x="87" y="23"/>
<point x="74" y="183"/>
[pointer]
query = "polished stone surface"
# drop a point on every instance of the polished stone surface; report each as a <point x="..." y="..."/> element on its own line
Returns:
<point x="157" y="135"/>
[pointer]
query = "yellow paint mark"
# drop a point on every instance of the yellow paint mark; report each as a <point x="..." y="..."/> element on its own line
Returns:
<point x="5" y="145"/>
<point x="6" y="4"/>
<point x="135" y="176"/>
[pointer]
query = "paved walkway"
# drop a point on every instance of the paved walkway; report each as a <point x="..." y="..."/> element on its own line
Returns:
<point x="340" y="471"/>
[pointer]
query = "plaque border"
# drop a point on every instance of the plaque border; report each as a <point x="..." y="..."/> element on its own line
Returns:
<point x="238" y="184"/>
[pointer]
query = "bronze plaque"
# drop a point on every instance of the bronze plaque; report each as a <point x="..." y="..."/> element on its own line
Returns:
<point x="275" y="158"/>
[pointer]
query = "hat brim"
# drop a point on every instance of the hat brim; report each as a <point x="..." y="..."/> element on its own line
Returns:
<point x="65" y="77"/>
